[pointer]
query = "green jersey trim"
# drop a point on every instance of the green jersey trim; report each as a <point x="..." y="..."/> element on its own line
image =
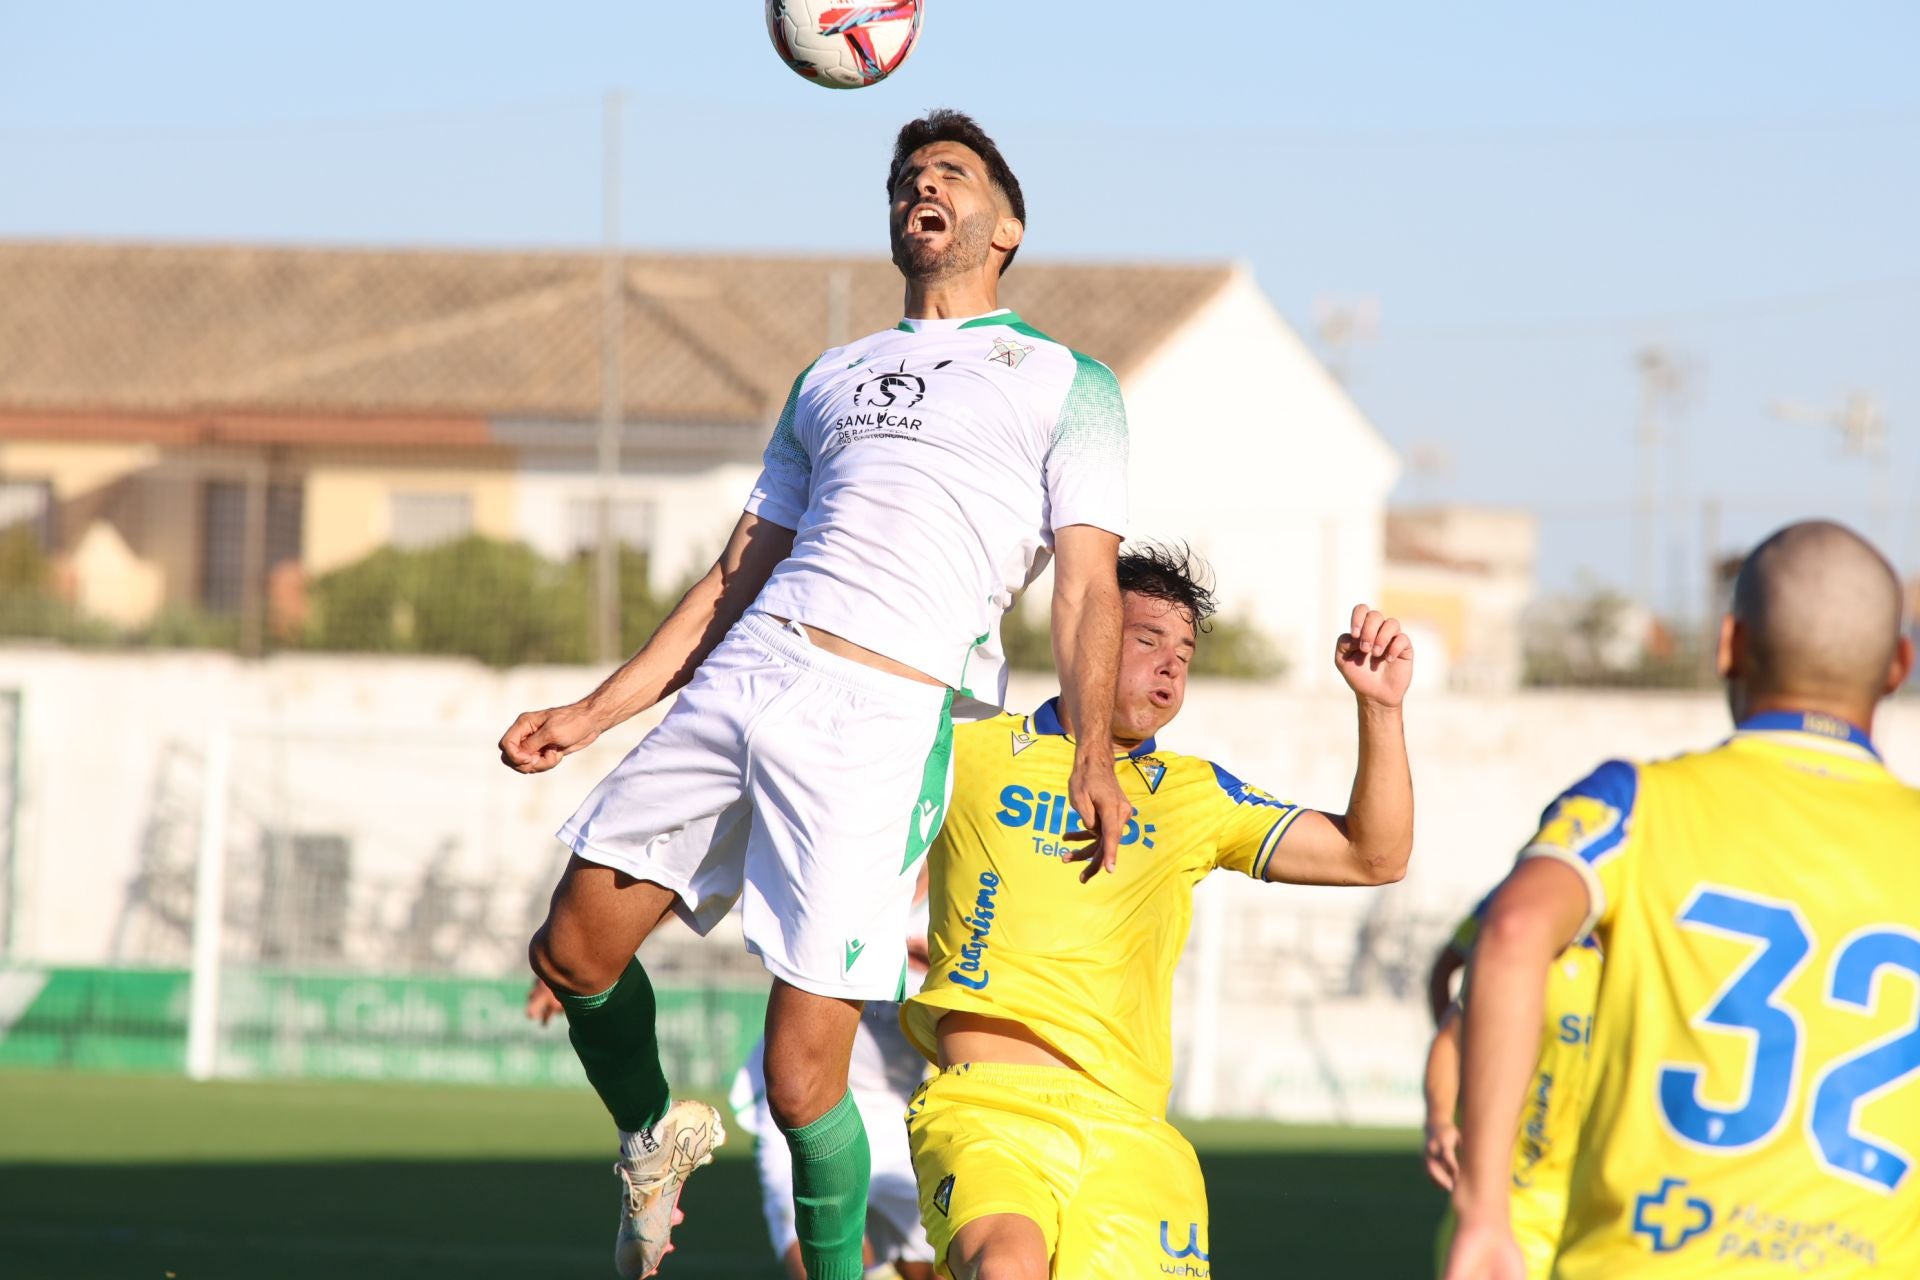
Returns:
<point x="785" y="444"/>
<point x="1093" y="421"/>
<point x="1021" y="326"/>
<point x="967" y="661"/>
<point x="1008" y="319"/>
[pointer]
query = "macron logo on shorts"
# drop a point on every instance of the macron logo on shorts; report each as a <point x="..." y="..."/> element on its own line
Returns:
<point x="943" y="1195"/>
<point x="924" y="816"/>
<point x="854" y="948"/>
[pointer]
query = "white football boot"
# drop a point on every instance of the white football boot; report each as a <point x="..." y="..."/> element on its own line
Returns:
<point x="681" y="1142"/>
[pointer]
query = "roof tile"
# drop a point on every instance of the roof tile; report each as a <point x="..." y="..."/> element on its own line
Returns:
<point x="171" y="329"/>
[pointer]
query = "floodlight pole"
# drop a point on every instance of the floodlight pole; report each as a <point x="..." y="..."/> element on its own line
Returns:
<point x="606" y="553"/>
<point x="1862" y="425"/>
<point x="1661" y="380"/>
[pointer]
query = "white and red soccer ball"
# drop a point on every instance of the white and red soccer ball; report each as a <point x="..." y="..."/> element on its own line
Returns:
<point x="844" y="46"/>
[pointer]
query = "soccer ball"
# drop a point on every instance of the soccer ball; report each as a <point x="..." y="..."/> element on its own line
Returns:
<point x="844" y="46"/>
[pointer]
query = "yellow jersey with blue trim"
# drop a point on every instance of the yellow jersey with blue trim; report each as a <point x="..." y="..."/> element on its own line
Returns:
<point x="1754" y="1104"/>
<point x="1088" y="968"/>
<point x="1550" y="1119"/>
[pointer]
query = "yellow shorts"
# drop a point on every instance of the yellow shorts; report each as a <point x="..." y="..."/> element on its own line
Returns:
<point x="1116" y="1192"/>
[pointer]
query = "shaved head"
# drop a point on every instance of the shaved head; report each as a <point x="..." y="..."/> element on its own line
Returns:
<point x="1817" y="613"/>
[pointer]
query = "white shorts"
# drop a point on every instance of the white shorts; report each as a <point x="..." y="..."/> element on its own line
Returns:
<point x="805" y="784"/>
<point x="882" y="1076"/>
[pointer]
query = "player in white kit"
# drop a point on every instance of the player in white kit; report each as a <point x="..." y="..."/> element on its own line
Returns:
<point x="918" y="479"/>
<point x="882" y="1076"/>
<point x="884" y="1072"/>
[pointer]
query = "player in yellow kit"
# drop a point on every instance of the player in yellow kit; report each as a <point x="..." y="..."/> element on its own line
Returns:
<point x="1549" y="1125"/>
<point x="1755" y="1107"/>
<point x="1042" y="1147"/>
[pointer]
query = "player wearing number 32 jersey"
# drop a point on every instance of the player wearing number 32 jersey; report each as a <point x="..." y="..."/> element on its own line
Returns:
<point x="1755" y="1105"/>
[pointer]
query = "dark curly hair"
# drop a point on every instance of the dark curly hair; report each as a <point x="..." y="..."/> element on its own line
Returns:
<point x="1170" y="572"/>
<point x="943" y="124"/>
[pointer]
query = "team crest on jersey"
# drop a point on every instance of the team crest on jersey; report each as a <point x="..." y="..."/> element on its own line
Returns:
<point x="1021" y="741"/>
<point x="943" y="1196"/>
<point x="1151" y="771"/>
<point x="1008" y="352"/>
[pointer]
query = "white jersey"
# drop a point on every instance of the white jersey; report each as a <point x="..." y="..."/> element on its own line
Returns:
<point x="924" y="471"/>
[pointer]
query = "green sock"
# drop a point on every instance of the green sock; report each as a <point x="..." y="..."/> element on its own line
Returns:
<point x="831" y="1166"/>
<point x="613" y="1033"/>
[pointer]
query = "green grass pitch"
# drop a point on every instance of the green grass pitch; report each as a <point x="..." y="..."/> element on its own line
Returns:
<point x="151" y="1178"/>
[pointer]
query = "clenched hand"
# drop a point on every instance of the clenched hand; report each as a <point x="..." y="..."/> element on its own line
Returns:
<point x="539" y="740"/>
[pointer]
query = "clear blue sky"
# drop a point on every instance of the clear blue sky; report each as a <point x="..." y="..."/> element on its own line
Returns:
<point x="1530" y="193"/>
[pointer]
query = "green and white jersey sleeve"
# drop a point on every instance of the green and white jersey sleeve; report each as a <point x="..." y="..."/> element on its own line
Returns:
<point x="780" y="495"/>
<point x="1087" y="456"/>
<point x="924" y="471"/>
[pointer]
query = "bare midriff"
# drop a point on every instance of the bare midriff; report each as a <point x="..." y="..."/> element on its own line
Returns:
<point x="840" y="647"/>
<point x="974" y="1037"/>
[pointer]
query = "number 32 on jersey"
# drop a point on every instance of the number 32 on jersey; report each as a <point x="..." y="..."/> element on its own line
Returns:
<point x="1750" y="1005"/>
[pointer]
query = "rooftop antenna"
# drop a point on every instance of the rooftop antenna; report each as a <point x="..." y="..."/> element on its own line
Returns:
<point x="1342" y="324"/>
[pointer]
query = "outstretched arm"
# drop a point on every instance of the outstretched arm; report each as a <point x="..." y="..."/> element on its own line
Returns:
<point x="1532" y="918"/>
<point x="1371" y="842"/>
<point x="539" y="740"/>
<point x="1086" y="652"/>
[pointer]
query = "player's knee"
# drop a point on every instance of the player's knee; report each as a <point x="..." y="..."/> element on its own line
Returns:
<point x="801" y="1090"/>
<point x="567" y="962"/>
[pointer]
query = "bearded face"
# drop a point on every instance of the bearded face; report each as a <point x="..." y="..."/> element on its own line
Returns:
<point x="944" y="213"/>
<point x="959" y="248"/>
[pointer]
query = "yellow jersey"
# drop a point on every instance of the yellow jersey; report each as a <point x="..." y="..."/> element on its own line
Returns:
<point x="1550" y="1123"/>
<point x="1088" y="968"/>
<point x="1755" y="1091"/>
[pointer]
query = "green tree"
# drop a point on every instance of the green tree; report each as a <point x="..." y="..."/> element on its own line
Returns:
<point x="500" y="602"/>
<point x="29" y="606"/>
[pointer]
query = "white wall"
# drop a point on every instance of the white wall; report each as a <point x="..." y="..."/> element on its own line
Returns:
<point x="1244" y="446"/>
<point x="423" y="731"/>
<point x="399" y="756"/>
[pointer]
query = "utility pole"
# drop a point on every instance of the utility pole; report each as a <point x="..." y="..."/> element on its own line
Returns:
<point x="253" y="556"/>
<point x="1863" y="433"/>
<point x="1662" y="380"/>
<point x="606" y="552"/>
<point x="1707" y="657"/>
